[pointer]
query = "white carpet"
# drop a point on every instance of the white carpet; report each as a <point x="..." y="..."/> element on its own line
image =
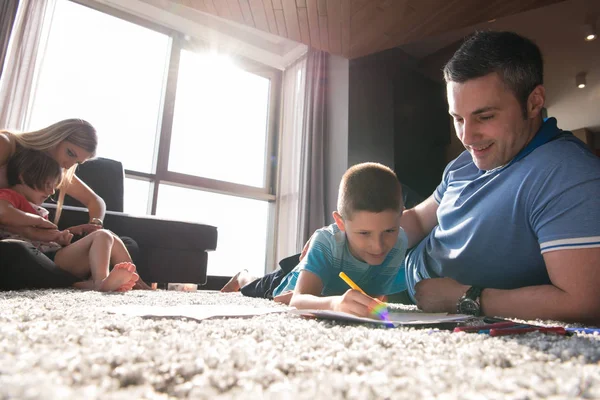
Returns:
<point x="60" y="344"/>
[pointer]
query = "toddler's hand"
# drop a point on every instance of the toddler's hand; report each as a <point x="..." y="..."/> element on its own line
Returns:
<point x="64" y="237"/>
<point x="84" y="229"/>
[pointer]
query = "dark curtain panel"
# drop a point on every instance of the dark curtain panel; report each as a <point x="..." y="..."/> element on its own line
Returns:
<point x="8" y="13"/>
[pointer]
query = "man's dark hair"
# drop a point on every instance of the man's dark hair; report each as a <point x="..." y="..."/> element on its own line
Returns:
<point x="517" y="60"/>
<point x="369" y="187"/>
<point x="33" y="168"/>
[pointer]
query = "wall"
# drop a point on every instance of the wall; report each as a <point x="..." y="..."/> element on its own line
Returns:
<point x="398" y="117"/>
<point x="336" y="151"/>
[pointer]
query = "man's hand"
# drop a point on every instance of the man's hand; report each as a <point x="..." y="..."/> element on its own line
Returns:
<point x="439" y="294"/>
<point x="355" y="302"/>
<point x="82" y="230"/>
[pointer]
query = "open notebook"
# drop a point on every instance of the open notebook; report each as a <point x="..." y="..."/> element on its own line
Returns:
<point x="203" y="311"/>
<point x="397" y="318"/>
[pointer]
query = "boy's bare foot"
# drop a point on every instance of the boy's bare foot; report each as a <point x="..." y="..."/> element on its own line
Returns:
<point x="238" y="281"/>
<point x="120" y="279"/>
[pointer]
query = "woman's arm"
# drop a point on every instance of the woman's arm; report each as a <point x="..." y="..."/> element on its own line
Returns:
<point x="82" y="192"/>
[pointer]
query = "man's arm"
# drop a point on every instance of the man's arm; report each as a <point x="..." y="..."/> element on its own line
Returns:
<point x="420" y="220"/>
<point x="572" y="297"/>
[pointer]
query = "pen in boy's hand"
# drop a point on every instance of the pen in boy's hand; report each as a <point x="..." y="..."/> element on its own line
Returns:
<point x="380" y="310"/>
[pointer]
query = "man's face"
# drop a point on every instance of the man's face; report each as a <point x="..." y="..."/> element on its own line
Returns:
<point x="371" y="235"/>
<point x="489" y="120"/>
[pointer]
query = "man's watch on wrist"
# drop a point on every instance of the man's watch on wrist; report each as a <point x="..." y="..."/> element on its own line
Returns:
<point x="96" y="221"/>
<point x="470" y="302"/>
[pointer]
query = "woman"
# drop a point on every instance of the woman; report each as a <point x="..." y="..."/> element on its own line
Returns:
<point x="70" y="142"/>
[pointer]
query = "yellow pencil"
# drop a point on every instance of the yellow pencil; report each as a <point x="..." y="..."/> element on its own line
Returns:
<point x="380" y="310"/>
<point x="351" y="283"/>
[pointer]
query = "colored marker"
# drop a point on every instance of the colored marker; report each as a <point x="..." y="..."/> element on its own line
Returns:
<point x="589" y="331"/>
<point x="559" y="330"/>
<point x="478" y="328"/>
<point x="380" y="309"/>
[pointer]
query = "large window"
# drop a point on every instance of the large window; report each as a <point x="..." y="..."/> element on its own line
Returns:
<point x="193" y="127"/>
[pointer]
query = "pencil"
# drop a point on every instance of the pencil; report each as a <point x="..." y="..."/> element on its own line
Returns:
<point x="380" y="309"/>
<point x="351" y="283"/>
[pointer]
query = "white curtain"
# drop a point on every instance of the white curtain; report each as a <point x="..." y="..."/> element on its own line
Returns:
<point x="300" y="189"/>
<point x="290" y="156"/>
<point x="27" y="41"/>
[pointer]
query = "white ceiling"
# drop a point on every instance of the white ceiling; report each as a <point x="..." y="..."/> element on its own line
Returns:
<point x="558" y="31"/>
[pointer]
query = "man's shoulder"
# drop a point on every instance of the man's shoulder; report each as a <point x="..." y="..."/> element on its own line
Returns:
<point x="568" y="153"/>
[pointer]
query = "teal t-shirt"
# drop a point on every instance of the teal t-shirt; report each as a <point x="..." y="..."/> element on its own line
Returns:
<point x="328" y="255"/>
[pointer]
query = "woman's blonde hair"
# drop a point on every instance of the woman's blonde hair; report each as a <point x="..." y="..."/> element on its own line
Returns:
<point x="77" y="131"/>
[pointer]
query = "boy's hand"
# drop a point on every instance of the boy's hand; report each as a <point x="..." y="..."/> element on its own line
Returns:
<point x="355" y="302"/>
<point x="284" y="297"/>
<point x="82" y="230"/>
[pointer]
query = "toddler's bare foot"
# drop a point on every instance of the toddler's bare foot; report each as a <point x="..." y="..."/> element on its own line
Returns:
<point x="121" y="277"/>
<point x="238" y="281"/>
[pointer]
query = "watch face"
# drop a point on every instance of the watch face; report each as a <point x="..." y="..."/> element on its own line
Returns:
<point x="469" y="306"/>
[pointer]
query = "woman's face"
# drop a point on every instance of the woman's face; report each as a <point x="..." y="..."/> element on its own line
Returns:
<point x="67" y="154"/>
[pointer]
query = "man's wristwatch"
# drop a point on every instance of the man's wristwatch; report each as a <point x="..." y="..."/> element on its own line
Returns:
<point x="470" y="302"/>
<point x="96" y="221"/>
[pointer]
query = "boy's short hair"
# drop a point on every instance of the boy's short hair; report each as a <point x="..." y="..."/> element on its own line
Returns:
<point x="516" y="59"/>
<point x="369" y="187"/>
<point x="32" y="168"/>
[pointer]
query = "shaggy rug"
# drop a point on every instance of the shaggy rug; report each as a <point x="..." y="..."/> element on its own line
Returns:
<point x="60" y="344"/>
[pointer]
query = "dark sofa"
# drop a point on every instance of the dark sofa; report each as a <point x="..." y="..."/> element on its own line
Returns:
<point x="167" y="250"/>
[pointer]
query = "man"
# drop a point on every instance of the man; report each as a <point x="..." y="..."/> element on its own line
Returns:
<point x="513" y="229"/>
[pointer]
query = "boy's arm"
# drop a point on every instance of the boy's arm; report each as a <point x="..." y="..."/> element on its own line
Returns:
<point x="13" y="217"/>
<point x="308" y="288"/>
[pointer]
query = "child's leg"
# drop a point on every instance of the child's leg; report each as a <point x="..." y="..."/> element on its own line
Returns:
<point x="238" y="281"/>
<point x="264" y="287"/>
<point x="120" y="255"/>
<point x="90" y="255"/>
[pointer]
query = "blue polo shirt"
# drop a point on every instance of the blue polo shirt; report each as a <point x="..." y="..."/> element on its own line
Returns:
<point x="494" y="226"/>
<point x="328" y="255"/>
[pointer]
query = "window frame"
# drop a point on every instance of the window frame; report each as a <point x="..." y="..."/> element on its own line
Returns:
<point x="161" y="175"/>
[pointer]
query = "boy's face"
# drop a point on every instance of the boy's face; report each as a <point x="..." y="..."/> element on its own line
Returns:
<point x="37" y="196"/>
<point x="370" y="235"/>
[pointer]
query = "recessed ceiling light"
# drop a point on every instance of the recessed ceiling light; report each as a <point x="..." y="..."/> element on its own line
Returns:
<point x="590" y="32"/>
<point x="580" y="80"/>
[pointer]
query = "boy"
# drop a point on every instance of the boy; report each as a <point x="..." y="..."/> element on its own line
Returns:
<point x="33" y="177"/>
<point x="366" y="242"/>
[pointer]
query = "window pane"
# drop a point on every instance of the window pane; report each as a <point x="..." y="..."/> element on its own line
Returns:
<point x="241" y="223"/>
<point x="220" y="121"/>
<point x="137" y="195"/>
<point x="109" y="72"/>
